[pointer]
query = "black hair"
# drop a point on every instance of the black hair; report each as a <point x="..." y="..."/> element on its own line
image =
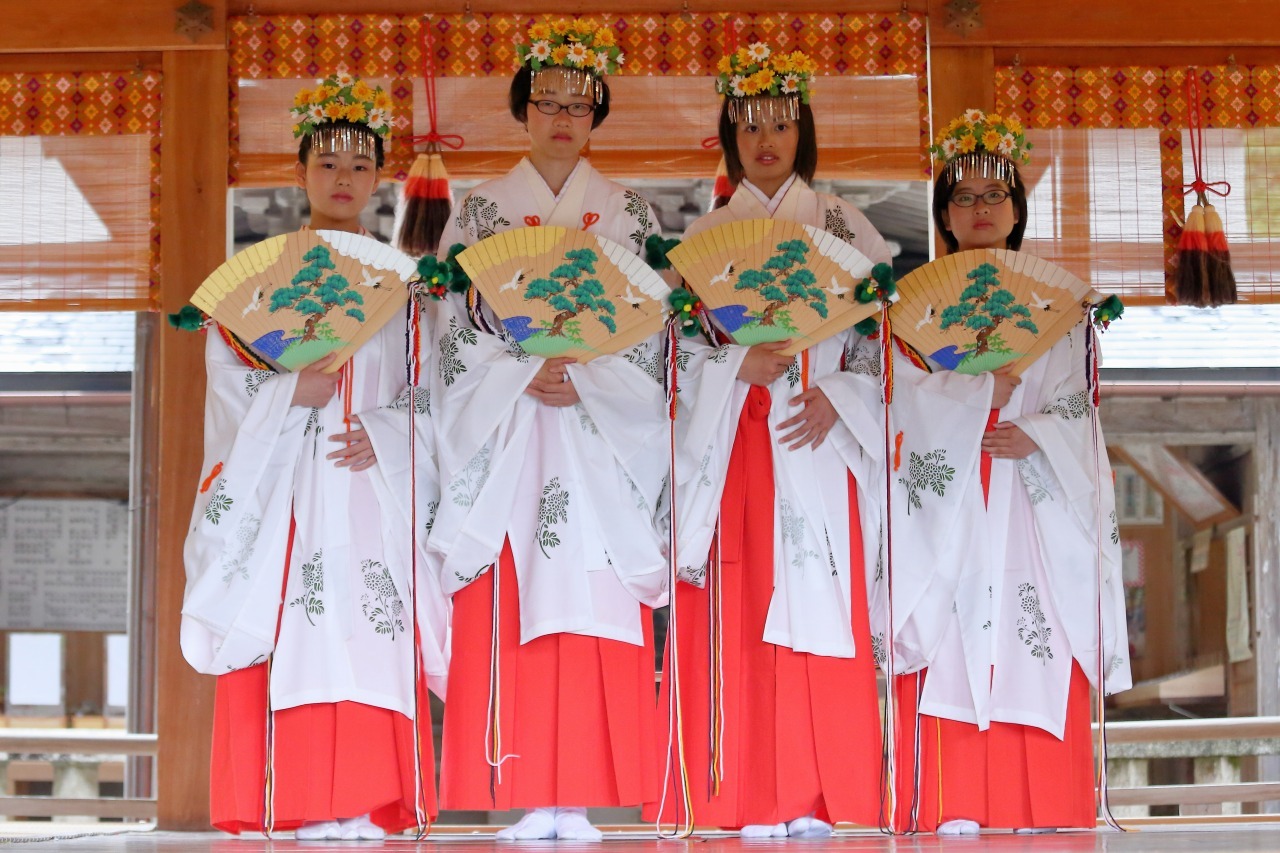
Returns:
<point x="522" y="92"/>
<point x="945" y="187"/>
<point x="806" y="148"/>
<point x="304" y="145"/>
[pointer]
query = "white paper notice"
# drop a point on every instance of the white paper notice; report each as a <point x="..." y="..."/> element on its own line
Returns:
<point x="35" y="670"/>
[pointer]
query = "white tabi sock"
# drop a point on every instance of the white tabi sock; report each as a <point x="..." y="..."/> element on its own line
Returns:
<point x="319" y="830"/>
<point x="1035" y="830"/>
<point x="764" y="830"/>
<point x="536" y="825"/>
<point x="958" y="827"/>
<point x="572" y="825"/>
<point x="361" y="829"/>
<point x="809" y="827"/>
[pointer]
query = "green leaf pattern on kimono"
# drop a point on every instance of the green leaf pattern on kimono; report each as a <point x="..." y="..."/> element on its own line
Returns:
<point x="838" y="225"/>
<point x="253" y="381"/>
<point x="220" y="502"/>
<point x="793" y="372"/>
<point x="647" y="359"/>
<point x="862" y="359"/>
<point x="638" y="209"/>
<point x="793" y="529"/>
<point x="480" y="216"/>
<point x="236" y="564"/>
<point x="451" y="343"/>
<point x="466" y="487"/>
<point x="719" y="354"/>
<point x="312" y="586"/>
<point x="553" y="509"/>
<point x="1037" y="488"/>
<point x="1069" y="408"/>
<point x="421" y="400"/>
<point x="1033" y="629"/>
<point x="381" y="604"/>
<point x="929" y="471"/>
<point x="584" y="420"/>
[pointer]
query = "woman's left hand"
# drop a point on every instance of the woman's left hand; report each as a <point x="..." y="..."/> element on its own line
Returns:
<point x="812" y="423"/>
<point x="1008" y="441"/>
<point x="552" y="384"/>
<point x="357" y="452"/>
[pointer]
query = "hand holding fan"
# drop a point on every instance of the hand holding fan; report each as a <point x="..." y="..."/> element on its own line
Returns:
<point x="563" y="292"/>
<point x="768" y="280"/>
<point x="295" y="298"/>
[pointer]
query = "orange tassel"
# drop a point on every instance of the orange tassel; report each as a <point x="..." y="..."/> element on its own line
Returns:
<point x="208" y="481"/>
<point x="428" y="201"/>
<point x="1221" y="280"/>
<point x="1192" y="274"/>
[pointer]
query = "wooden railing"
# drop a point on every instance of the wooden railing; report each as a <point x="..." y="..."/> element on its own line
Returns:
<point x="75" y="751"/>
<point x="1137" y="742"/>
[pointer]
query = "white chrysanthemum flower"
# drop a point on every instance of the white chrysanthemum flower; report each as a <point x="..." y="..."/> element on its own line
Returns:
<point x="758" y="51"/>
<point x="316" y="113"/>
<point x="950" y="147"/>
<point x="602" y="62"/>
<point x="377" y="118"/>
<point x="974" y="116"/>
<point x="541" y="50"/>
<point x="577" y="54"/>
<point x="1006" y="143"/>
<point x="344" y="79"/>
<point x="790" y="84"/>
<point x="735" y="86"/>
<point x="619" y="60"/>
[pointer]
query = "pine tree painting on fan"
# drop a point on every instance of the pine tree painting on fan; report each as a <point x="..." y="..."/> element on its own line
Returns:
<point x="295" y="298"/>
<point x="564" y="292"/>
<point x="767" y="280"/>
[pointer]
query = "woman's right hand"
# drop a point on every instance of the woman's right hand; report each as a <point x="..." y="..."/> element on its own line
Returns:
<point x="316" y="388"/>
<point x="764" y="363"/>
<point x="1005" y="382"/>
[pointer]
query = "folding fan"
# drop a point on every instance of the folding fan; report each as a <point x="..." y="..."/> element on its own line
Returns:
<point x="563" y="292"/>
<point x="768" y="280"/>
<point x="979" y="310"/>
<point x="296" y="298"/>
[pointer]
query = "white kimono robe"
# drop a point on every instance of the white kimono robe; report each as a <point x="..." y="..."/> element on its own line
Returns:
<point x="809" y="611"/>
<point x="345" y="630"/>
<point x="578" y="490"/>
<point x="1028" y="603"/>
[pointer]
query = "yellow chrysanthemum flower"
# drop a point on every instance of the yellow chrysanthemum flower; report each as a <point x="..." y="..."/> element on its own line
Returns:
<point x="781" y="63"/>
<point x="381" y="101"/>
<point x="559" y="54"/>
<point x="584" y="26"/>
<point x="361" y="91"/>
<point x="539" y="32"/>
<point x="560" y="27"/>
<point x="993" y="120"/>
<point x="335" y="111"/>
<point x="991" y="140"/>
<point x="322" y="94"/>
<point x="725" y="65"/>
<point x="743" y="57"/>
<point x="750" y="86"/>
<point x="764" y="79"/>
<point x="302" y="98"/>
<point x="356" y="112"/>
<point x="968" y="143"/>
<point x="605" y="37"/>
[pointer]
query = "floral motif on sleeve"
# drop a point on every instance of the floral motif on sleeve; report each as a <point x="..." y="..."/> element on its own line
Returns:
<point x="838" y="225"/>
<point x="584" y="420"/>
<point x="793" y="528"/>
<point x="1033" y="629"/>
<point x="640" y="211"/>
<point x="719" y="354"/>
<point x="1115" y="529"/>
<point x="878" y="650"/>
<point x="480" y="216"/>
<point x="553" y="509"/>
<point x="1037" y="488"/>
<point x="237" y="565"/>
<point x="647" y="359"/>
<point x="1071" y="407"/>
<point x="467" y="485"/>
<point x="863" y="360"/>
<point x="929" y="471"/>
<point x="253" y="381"/>
<point x="421" y="400"/>
<point x="451" y="343"/>
<point x="381" y="604"/>
<point x="312" y="586"/>
<point x="793" y="373"/>
<point x="220" y="502"/>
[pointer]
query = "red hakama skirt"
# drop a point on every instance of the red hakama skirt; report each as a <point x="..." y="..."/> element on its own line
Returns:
<point x="576" y="712"/>
<point x="335" y="760"/>
<point x="801" y="731"/>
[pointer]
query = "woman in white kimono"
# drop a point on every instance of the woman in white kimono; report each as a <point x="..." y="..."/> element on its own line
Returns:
<point x="1004" y="725"/>
<point x="775" y="483"/>
<point x="552" y="474"/>
<point x="300" y="555"/>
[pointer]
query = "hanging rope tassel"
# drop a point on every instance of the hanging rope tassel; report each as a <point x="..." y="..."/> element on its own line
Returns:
<point x="1203" y="275"/>
<point x="426" y="197"/>
<point x="675" y="764"/>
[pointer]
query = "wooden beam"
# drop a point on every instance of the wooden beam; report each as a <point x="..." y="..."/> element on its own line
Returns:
<point x="1015" y="23"/>
<point x="55" y="26"/>
<point x="1176" y="56"/>
<point x="193" y="220"/>
<point x="1162" y="795"/>
<point x="36" y="63"/>
<point x="567" y="7"/>
<point x="1199" y="420"/>
<point x="65" y="807"/>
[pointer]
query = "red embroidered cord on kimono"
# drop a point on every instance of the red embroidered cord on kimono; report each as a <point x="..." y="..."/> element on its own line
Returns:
<point x="584" y="735"/>
<point x="1008" y="777"/>
<point x="801" y="731"/>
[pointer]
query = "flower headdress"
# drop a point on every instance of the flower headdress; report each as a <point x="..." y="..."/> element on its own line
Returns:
<point x="365" y="109"/>
<point x="763" y="84"/>
<point x="978" y="144"/>
<point x="570" y="55"/>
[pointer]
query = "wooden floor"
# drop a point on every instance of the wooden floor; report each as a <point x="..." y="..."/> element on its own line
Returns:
<point x="1193" y="838"/>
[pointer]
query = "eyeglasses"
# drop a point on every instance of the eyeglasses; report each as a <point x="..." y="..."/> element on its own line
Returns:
<point x="551" y="108"/>
<point x="990" y="197"/>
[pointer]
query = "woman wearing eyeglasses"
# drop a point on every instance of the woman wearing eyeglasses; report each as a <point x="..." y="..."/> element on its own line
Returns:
<point x="552" y="472"/>
<point x="1003" y="731"/>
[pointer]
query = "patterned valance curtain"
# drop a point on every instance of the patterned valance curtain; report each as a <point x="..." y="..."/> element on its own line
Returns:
<point x="1112" y="156"/>
<point x="80" y="190"/>
<point x="871" y="99"/>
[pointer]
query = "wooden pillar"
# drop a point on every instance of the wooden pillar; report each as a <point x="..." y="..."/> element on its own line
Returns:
<point x="193" y="222"/>
<point x="960" y="78"/>
<point x="1266" y="574"/>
